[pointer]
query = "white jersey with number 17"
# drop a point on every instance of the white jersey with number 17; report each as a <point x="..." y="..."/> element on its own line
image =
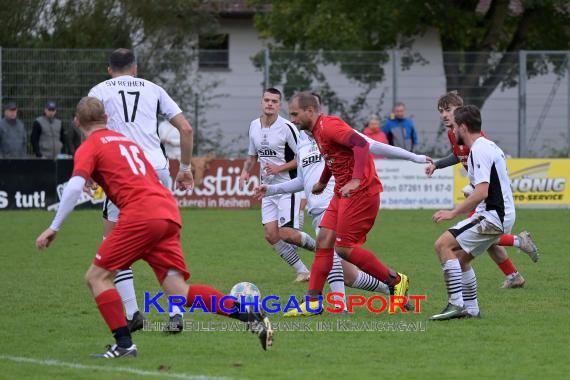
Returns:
<point x="133" y="105"/>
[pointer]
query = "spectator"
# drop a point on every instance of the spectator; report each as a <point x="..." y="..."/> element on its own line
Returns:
<point x="72" y="139"/>
<point x="373" y="131"/>
<point x="13" y="137"/>
<point x="400" y="130"/>
<point x="48" y="134"/>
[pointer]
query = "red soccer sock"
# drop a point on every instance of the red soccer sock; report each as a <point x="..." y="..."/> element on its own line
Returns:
<point x="507" y="240"/>
<point x="369" y="263"/>
<point x="320" y="269"/>
<point x="206" y="292"/>
<point x="111" y="308"/>
<point x="507" y="267"/>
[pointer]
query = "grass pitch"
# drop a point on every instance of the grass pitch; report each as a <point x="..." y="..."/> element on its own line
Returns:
<point x="50" y="324"/>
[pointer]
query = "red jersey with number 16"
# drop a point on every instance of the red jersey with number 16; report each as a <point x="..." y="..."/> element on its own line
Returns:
<point x="119" y="166"/>
<point x="460" y="151"/>
<point x="332" y="136"/>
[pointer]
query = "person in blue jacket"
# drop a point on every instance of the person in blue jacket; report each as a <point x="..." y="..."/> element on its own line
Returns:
<point x="400" y="130"/>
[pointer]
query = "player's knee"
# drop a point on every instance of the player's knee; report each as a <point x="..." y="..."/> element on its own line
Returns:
<point x="343" y="252"/>
<point x="89" y="280"/>
<point x="286" y="234"/>
<point x="439" y="246"/>
<point x="272" y="235"/>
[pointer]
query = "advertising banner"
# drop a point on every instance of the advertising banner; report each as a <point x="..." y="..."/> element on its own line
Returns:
<point x="406" y="186"/>
<point x="217" y="186"/>
<point x="535" y="182"/>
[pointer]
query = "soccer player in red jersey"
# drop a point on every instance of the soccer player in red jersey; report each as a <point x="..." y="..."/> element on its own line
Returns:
<point x="149" y="228"/>
<point x="353" y="208"/>
<point x="446" y="105"/>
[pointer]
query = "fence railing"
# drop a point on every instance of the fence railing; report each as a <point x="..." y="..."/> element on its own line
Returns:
<point x="525" y="96"/>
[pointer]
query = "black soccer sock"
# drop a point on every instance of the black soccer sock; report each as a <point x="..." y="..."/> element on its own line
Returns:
<point x="123" y="337"/>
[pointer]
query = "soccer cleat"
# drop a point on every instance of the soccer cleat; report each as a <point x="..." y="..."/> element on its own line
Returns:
<point x="400" y="289"/>
<point x="259" y="325"/>
<point x="175" y="325"/>
<point x="476" y="316"/>
<point x="314" y="305"/>
<point x="115" y="352"/>
<point x="450" y="312"/>
<point x="517" y="281"/>
<point x="528" y="246"/>
<point x="302" y="277"/>
<point x="136" y="323"/>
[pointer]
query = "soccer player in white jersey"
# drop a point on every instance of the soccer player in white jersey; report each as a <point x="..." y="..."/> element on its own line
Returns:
<point x="132" y="105"/>
<point x="494" y="215"/>
<point x="309" y="168"/>
<point x="273" y="142"/>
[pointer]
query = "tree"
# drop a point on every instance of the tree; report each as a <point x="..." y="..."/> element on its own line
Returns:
<point x="65" y="46"/>
<point x="481" y="37"/>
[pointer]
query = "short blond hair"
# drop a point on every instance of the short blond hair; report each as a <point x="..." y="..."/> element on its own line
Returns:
<point x="90" y="111"/>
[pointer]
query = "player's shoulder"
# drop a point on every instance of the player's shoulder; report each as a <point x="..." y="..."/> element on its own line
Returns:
<point x="255" y="123"/>
<point x="486" y="147"/>
<point x="288" y="125"/>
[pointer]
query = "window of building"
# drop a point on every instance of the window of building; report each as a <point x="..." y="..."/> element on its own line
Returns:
<point x="214" y="51"/>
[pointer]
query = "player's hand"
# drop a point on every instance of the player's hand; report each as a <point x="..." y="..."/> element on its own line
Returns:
<point x="350" y="186"/>
<point x="442" y="215"/>
<point x="260" y="191"/>
<point x="184" y="180"/>
<point x="318" y="188"/>
<point x="90" y="186"/>
<point x="430" y="168"/>
<point x="243" y="179"/>
<point x="272" y="169"/>
<point x="45" y="238"/>
<point x="429" y="160"/>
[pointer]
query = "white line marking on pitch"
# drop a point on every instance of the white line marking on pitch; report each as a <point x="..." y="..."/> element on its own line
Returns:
<point x="58" y="363"/>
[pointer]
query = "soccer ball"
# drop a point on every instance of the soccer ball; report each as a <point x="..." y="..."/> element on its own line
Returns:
<point x="246" y="289"/>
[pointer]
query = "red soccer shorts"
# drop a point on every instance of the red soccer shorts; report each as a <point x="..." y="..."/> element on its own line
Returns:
<point x="156" y="241"/>
<point x="352" y="218"/>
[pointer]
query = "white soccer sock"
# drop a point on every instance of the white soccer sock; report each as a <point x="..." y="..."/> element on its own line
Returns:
<point x="452" y="276"/>
<point x="365" y="281"/>
<point x="176" y="310"/>
<point x="125" y="285"/>
<point x="288" y="252"/>
<point x="469" y="284"/>
<point x="336" y="280"/>
<point x="308" y="242"/>
<point x="516" y="241"/>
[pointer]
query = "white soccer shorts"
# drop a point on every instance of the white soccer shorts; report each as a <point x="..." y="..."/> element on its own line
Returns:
<point x="111" y="211"/>
<point x="317" y="216"/>
<point x="476" y="234"/>
<point x="283" y="208"/>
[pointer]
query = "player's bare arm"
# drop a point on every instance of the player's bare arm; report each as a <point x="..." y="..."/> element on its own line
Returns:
<point x="479" y="194"/>
<point x="274" y="169"/>
<point x="184" y="179"/>
<point x="246" y="171"/>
